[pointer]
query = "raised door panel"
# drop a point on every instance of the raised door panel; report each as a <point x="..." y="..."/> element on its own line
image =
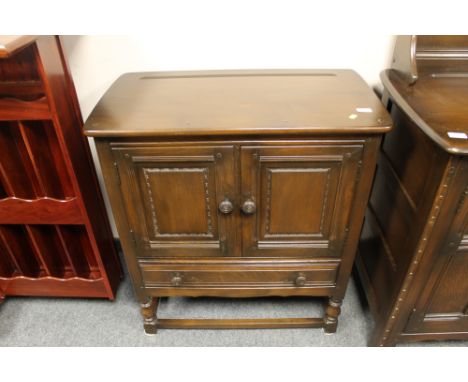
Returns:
<point x="303" y="196"/>
<point x="171" y="195"/>
<point x="446" y="309"/>
<point x="442" y="306"/>
<point x="451" y="295"/>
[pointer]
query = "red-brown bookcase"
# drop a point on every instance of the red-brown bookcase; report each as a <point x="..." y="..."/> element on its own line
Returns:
<point x="55" y="238"/>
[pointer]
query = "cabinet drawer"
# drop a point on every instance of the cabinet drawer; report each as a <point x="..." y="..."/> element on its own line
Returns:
<point x="292" y="275"/>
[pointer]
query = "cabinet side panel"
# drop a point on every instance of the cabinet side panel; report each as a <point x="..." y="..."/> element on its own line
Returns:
<point x="408" y="173"/>
<point x="113" y="183"/>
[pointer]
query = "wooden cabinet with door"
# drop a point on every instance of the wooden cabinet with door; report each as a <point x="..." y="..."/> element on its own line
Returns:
<point x="413" y="253"/>
<point x="239" y="184"/>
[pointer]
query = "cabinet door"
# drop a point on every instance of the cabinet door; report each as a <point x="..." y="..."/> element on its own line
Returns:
<point x="302" y="196"/>
<point x="171" y="195"/>
<point x="443" y="304"/>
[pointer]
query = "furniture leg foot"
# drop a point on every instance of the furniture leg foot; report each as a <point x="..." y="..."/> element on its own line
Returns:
<point x="148" y="311"/>
<point x="333" y="310"/>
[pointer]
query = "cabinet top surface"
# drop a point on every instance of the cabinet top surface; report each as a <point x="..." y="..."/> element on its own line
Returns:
<point x="9" y="44"/>
<point x="437" y="103"/>
<point x="238" y="103"/>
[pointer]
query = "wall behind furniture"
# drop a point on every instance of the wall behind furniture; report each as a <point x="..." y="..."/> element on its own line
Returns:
<point x="97" y="61"/>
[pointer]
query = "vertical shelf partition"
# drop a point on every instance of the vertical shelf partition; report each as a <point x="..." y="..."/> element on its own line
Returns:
<point x="32" y="163"/>
<point x="55" y="238"/>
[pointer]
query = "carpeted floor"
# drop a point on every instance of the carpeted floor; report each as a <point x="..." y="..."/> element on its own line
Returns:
<point x="83" y="322"/>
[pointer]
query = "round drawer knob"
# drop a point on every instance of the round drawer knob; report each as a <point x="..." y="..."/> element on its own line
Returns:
<point x="249" y="207"/>
<point x="225" y="207"/>
<point x="300" y="280"/>
<point x="176" y="280"/>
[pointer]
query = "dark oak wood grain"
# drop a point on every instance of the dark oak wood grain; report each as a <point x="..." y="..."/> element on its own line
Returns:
<point x="446" y="94"/>
<point x="239" y="184"/>
<point x="237" y="103"/>
<point x="256" y="323"/>
<point x="412" y="257"/>
<point x="55" y="238"/>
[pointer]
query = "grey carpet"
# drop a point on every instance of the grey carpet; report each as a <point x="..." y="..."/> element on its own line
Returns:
<point x="85" y="322"/>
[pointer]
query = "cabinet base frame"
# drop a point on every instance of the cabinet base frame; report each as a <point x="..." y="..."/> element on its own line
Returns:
<point x="152" y="323"/>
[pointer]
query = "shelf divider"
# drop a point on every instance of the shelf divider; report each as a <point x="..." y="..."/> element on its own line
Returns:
<point x="44" y="251"/>
<point x="18" y="251"/>
<point x="13" y="171"/>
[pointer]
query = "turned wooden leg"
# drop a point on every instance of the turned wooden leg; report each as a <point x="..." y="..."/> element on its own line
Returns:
<point x="148" y="311"/>
<point x="333" y="310"/>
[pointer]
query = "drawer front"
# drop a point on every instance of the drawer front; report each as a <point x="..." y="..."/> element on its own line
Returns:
<point x="217" y="275"/>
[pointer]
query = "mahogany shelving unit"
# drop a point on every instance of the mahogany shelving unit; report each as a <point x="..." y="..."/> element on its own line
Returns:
<point x="55" y="238"/>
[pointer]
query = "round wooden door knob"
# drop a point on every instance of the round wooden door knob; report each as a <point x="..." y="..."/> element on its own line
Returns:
<point x="176" y="280"/>
<point x="226" y="207"/>
<point x="300" y="280"/>
<point x="249" y="207"/>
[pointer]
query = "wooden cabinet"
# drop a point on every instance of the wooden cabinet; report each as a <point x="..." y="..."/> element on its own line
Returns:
<point x="55" y="238"/>
<point x="413" y="258"/>
<point x="215" y="193"/>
